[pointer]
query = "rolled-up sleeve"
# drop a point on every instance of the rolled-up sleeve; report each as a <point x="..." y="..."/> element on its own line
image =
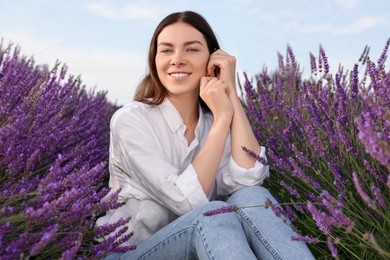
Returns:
<point x="234" y="177"/>
<point x="190" y="186"/>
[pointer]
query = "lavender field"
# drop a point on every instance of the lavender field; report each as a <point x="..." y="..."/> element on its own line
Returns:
<point x="54" y="138"/>
<point x="328" y="141"/>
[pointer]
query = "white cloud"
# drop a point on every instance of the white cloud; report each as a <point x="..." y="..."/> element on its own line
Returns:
<point x="116" y="72"/>
<point x="363" y="24"/>
<point x="125" y="12"/>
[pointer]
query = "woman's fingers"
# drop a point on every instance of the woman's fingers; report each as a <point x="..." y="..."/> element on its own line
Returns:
<point x="222" y="60"/>
<point x="213" y="84"/>
<point x="215" y="93"/>
<point x="223" y="66"/>
<point x="204" y="81"/>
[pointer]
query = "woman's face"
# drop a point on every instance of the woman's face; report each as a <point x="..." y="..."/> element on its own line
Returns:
<point x="181" y="58"/>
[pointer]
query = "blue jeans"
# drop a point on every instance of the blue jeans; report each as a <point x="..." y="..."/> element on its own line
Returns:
<point x="248" y="233"/>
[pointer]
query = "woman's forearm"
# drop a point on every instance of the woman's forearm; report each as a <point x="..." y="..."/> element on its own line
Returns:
<point x="242" y="136"/>
<point x="207" y="162"/>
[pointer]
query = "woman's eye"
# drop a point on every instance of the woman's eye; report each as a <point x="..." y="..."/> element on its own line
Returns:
<point x="192" y="50"/>
<point x="166" y="51"/>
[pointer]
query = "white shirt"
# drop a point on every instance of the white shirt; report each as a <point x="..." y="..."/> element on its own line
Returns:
<point x="151" y="161"/>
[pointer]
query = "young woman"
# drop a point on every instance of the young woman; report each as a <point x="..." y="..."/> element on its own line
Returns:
<point x="177" y="149"/>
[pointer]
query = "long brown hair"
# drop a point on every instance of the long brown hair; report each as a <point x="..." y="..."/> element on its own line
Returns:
<point x="151" y="91"/>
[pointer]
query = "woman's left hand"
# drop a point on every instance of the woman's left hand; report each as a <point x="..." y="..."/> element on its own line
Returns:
<point x="223" y="66"/>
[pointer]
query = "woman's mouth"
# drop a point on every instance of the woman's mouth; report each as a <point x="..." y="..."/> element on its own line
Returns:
<point x="179" y="75"/>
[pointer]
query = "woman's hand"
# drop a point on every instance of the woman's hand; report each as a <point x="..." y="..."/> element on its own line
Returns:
<point x="215" y="93"/>
<point x="223" y="66"/>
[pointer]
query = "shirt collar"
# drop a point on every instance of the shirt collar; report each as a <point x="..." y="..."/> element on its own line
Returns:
<point x="173" y="118"/>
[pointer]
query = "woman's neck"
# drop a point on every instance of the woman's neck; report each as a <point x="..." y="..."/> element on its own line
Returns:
<point x="188" y="109"/>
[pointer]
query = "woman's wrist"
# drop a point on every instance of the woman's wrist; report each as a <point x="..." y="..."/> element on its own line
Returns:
<point x="222" y="121"/>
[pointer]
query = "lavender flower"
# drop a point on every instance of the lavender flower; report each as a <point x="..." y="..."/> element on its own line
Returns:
<point x="280" y="61"/>
<point x="371" y="203"/>
<point x="332" y="248"/>
<point x="289" y="212"/>
<point x="46" y="238"/>
<point x="301" y="157"/>
<point x="378" y="196"/>
<point x="313" y="64"/>
<point x="290" y="189"/>
<point x="109" y="228"/>
<point x="291" y="58"/>
<point x="374" y="142"/>
<point x="222" y="210"/>
<point x="383" y="56"/>
<point x="257" y="157"/>
<point x="321" y="219"/>
<point x="302" y="175"/>
<point x="355" y="82"/>
<point x="324" y="60"/>
<point x="364" y="54"/>
<point x="306" y="239"/>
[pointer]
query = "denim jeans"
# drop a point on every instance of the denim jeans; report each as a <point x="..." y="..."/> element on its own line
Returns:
<point x="248" y="233"/>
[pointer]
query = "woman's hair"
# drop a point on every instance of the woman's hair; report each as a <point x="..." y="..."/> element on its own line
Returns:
<point x="151" y="91"/>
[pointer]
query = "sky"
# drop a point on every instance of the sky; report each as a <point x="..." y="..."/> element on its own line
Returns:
<point x="106" y="41"/>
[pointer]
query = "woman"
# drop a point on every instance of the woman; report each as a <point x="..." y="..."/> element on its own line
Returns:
<point x="178" y="147"/>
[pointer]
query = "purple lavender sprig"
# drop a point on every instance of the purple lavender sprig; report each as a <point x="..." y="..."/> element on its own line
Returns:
<point x="365" y="197"/>
<point x="222" y="210"/>
<point x="256" y="156"/>
<point x="306" y="239"/>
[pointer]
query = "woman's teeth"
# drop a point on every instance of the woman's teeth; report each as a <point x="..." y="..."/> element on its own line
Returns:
<point x="179" y="75"/>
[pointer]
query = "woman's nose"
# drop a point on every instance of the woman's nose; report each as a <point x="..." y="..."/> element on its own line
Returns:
<point x="178" y="59"/>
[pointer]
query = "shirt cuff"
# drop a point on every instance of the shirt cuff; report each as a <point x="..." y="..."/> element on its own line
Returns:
<point x="189" y="185"/>
<point x="252" y="176"/>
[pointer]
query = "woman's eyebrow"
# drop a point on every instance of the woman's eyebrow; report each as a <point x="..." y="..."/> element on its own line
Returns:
<point x="192" y="42"/>
<point x="185" y="44"/>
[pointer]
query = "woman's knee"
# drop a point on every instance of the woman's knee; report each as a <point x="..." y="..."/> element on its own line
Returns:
<point x="216" y="211"/>
<point x="218" y="216"/>
<point x="251" y="195"/>
<point x="217" y="231"/>
<point x="204" y="210"/>
<point x="210" y="208"/>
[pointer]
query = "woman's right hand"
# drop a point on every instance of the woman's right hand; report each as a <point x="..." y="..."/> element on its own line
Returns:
<point x="215" y="93"/>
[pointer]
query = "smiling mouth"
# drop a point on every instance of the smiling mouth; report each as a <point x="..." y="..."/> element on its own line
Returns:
<point x="179" y="75"/>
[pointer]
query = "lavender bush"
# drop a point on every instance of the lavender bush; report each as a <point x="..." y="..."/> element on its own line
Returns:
<point x="328" y="148"/>
<point x="328" y="140"/>
<point x="53" y="163"/>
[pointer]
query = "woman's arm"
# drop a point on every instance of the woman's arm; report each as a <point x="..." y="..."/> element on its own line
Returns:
<point x="241" y="131"/>
<point x="214" y="92"/>
<point x="242" y="135"/>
